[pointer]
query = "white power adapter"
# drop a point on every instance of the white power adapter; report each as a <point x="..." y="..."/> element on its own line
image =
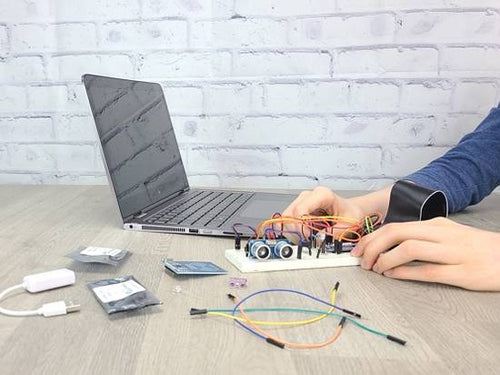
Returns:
<point x="38" y="283"/>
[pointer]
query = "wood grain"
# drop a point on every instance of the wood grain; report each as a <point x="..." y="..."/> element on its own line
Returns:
<point x="449" y="330"/>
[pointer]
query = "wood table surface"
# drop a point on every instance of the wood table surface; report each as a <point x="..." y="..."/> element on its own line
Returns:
<point x="449" y="330"/>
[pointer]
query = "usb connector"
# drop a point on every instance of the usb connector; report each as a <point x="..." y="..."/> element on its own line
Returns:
<point x="58" y="308"/>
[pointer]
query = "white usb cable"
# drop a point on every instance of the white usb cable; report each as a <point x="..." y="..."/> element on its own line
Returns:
<point x="38" y="283"/>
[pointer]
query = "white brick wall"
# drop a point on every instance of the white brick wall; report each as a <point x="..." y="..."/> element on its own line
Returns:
<point x="37" y="129"/>
<point x="76" y="10"/>
<point x="53" y="38"/>
<point x="12" y="99"/>
<point x="392" y="62"/>
<point x="273" y="64"/>
<point x="22" y="69"/>
<point x="144" y="34"/>
<point x="338" y="160"/>
<point x="471" y="61"/>
<point x="187" y="64"/>
<point x="69" y="67"/>
<point x="3" y="39"/>
<point x="346" y="31"/>
<point x="482" y="92"/>
<point x="449" y="27"/>
<point x="283" y="8"/>
<point x="183" y="8"/>
<point x="239" y="32"/>
<point x="263" y="93"/>
<point x="184" y="100"/>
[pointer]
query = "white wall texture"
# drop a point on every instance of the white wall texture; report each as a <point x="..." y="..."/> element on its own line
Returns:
<point x="263" y="93"/>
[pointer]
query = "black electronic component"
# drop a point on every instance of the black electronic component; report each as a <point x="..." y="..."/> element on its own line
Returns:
<point x="275" y="343"/>
<point x="337" y="246"/>
<point x="247" y="249"/>
<point x="396" y="339"/>
<point x="321" y="249"/>
<point x="312" y="238"/>
<point x="336" y="287"/>
<point x="308" y="245"/>
<point x="351" y="313"/>
<point x="194" y="311"/>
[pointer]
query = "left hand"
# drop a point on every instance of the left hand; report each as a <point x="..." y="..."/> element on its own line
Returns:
<point x="452" y="253"/>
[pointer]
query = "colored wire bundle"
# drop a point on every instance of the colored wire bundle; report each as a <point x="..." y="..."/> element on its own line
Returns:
<point x="327" y="233"/>
<point x="338" y="227"/>
<point x="254" y="326"/>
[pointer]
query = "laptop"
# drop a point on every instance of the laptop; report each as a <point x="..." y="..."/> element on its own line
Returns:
<point x="145" y="169"/>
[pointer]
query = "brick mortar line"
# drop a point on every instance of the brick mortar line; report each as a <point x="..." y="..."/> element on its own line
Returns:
<point x="299" y="116"/>
<point x="340" y="14"/>
<point x="50" y="172"/>
<point x="299" y="80"/>
<point x="318" y="48"/>
<point x="253" y="114"/>
<point x="52" y="142"/>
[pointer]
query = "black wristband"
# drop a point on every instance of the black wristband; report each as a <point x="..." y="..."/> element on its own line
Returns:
<point x="412" y="202"/>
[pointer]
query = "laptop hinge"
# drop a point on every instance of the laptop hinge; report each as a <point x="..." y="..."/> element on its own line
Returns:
<point x="142" y="213"/>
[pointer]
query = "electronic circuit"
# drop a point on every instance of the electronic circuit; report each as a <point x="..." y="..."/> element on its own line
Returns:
<point x="287" y="238"/>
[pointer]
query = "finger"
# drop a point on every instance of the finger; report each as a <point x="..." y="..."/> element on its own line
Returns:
<point x="294" y="231"/>
<point x="393" y="232"/>
<point x="319" y="199"/>
<point x="411" y="250"/>
<point x="437" y="273"/>
<point x="309" y="204"/>
<point x="291" y="209"/>
<point x="390" y="235"/>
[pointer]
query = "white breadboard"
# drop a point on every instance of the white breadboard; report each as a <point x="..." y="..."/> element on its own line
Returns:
<point x="245" y="264"/>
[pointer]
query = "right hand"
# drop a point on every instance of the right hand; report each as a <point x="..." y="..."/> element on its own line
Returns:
<point x="320" y="202"/>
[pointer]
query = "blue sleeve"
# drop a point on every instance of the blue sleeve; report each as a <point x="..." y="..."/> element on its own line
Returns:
<point x="469" y="171"/>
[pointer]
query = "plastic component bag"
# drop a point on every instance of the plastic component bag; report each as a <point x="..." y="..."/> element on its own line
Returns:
<point x="122" y="294"/>
<point x="92" y="254"/>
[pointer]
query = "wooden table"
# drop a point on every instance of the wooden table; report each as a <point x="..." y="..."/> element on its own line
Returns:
<point x="449" y="330"/>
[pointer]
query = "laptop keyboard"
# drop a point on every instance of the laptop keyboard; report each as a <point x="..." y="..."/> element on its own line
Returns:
<point x="202" y="208"/>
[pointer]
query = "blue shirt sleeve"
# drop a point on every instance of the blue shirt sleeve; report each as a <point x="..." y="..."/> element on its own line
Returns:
<point x="469" y="171"/>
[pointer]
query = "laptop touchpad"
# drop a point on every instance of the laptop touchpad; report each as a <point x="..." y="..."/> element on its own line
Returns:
<point x="262" y="208"/>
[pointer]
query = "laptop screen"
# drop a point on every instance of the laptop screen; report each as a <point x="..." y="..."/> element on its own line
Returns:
<point x="138" y="141"/>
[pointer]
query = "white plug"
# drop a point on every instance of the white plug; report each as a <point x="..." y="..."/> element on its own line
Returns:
<point x="58" y="308"/>
<point x="48" y="280"/>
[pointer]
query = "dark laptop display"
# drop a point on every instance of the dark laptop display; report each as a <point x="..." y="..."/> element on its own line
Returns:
<point x="145" y="168"/>
<point x="137" y="140"/>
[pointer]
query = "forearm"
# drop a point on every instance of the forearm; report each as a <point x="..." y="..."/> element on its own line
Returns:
<point x="469" y="171"/>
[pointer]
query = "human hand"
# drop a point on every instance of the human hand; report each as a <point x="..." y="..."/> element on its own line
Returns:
<point x="318" y="202"/>
<point x="322" y="201"/>
<point x="453" y="253"/>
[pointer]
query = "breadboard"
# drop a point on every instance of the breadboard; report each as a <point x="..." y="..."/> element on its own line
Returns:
<point x="245" y="264"/>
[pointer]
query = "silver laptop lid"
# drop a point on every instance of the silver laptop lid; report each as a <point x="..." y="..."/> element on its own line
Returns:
<point x="138" y="141"/>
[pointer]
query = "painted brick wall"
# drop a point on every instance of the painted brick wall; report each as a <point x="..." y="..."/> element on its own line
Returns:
<point x="264" y="93"/>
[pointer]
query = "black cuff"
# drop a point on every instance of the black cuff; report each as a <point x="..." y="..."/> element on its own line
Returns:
<point x="412" y="202"/>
